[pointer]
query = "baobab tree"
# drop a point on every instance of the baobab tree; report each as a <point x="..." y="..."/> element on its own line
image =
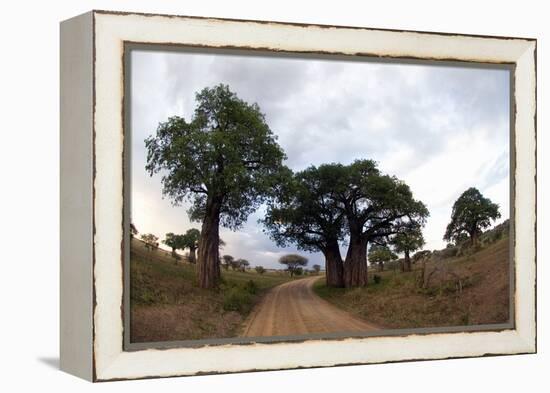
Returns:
<point x="472" y="213"/>
<point x="191" y="241"/>
<point x="242" y="264"/>
<point x="305" y="212"/>
<point x="225" y="161"/>
<point x="175" y="242"/>
<point x="408" y="239"/>
<point x="227" y="260"/>
<point x="150" y="240"/>
<point x="293" y="262"/>
<point x="321" y="206"/>
<point x="375" y="206"/>
<point x="380" y="254"/>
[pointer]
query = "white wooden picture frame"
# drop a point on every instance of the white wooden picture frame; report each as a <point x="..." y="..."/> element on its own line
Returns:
<point x="92" y="194"/>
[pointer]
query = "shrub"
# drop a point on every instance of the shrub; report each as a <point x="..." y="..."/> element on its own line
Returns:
<point x="251" y="287"/>
<point x="377" y="279"/>
<point x="237" y="299"/>
<point x="260" y="269"/>
<point x="445" y="253"/>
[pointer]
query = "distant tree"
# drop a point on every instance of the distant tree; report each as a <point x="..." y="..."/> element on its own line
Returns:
<point x="235" y="264"/>
<point x="472" y="213"/>
<point x="191" y="241"/>
<point x="293" y="262"/>
<point x="175" y="242"/>
<point x="242" y="264"/>
<point x="133" y="230"/>
<point x="227" y="260"/>
<point x="299" y="271"/>
<point x="225" y="161"/>
<point x="407" y="240"/>
<point x="150" y="240"/>
<point x="260" y="269"/>
<point x="316" y="268"/>
<point x="379" y="254"/>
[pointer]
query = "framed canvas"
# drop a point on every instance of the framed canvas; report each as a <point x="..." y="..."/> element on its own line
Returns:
<point x="244" y="195"/>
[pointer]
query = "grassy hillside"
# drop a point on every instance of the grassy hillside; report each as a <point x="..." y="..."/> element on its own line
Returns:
<point x="166" y="304"/>
<point x="467" y="290"/>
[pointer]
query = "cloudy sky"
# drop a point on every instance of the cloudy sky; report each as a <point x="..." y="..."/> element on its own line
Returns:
<point x="440" y="129"/>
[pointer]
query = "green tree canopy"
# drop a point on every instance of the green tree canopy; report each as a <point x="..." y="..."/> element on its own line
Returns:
<point x="175" y="242"/>
<point x="472" y="213"/>
<point x="408" y="239"/>
<point x="190" y="240"/>
<point x="227" y="260"/>
<point x="379" y="254"/>
<point x="293" y="262"/>
<point x="150" y="240"/>
<point x="305" y="212"/>
<point x="376" y="207"/>
<point x="242" y="264"/>
<point x="225" y="161"/>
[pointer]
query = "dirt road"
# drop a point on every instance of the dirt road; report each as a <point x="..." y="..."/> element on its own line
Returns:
<point x="293" y="308"/>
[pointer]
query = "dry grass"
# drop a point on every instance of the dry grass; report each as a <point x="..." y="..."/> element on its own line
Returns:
<point x="398" y="301"/>
<point x="167" y="305"/>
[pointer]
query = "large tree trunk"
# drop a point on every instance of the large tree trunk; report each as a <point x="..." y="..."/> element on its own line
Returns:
<point x="355" y="266"/>
<point x="407" y="263"/>
<point x="334" y="265"/>
<point x="192" y="255"/>
<point x="208" y="265"/>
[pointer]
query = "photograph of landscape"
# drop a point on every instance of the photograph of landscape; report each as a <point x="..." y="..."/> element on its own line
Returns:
<point x="282" y="196"/>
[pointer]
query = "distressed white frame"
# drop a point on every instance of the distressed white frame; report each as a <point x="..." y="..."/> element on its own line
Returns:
<point x="111" y="30"/>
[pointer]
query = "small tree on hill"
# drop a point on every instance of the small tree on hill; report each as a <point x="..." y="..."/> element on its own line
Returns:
<point x="227" y="260"/>
<point x="379" y="254"/>
<point x="472" y="213"/>
<point x="191" y="241"/>
<point x="175" y="242"/>
<point x="316" y="268"/>
<point x="150" y="240"/>
<point x="407" y="240"/>
<point x="260" y="269"/>
<point x="293" y="262"/>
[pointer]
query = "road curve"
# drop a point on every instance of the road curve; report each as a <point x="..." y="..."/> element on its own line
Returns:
<point x="293" y="308"/>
